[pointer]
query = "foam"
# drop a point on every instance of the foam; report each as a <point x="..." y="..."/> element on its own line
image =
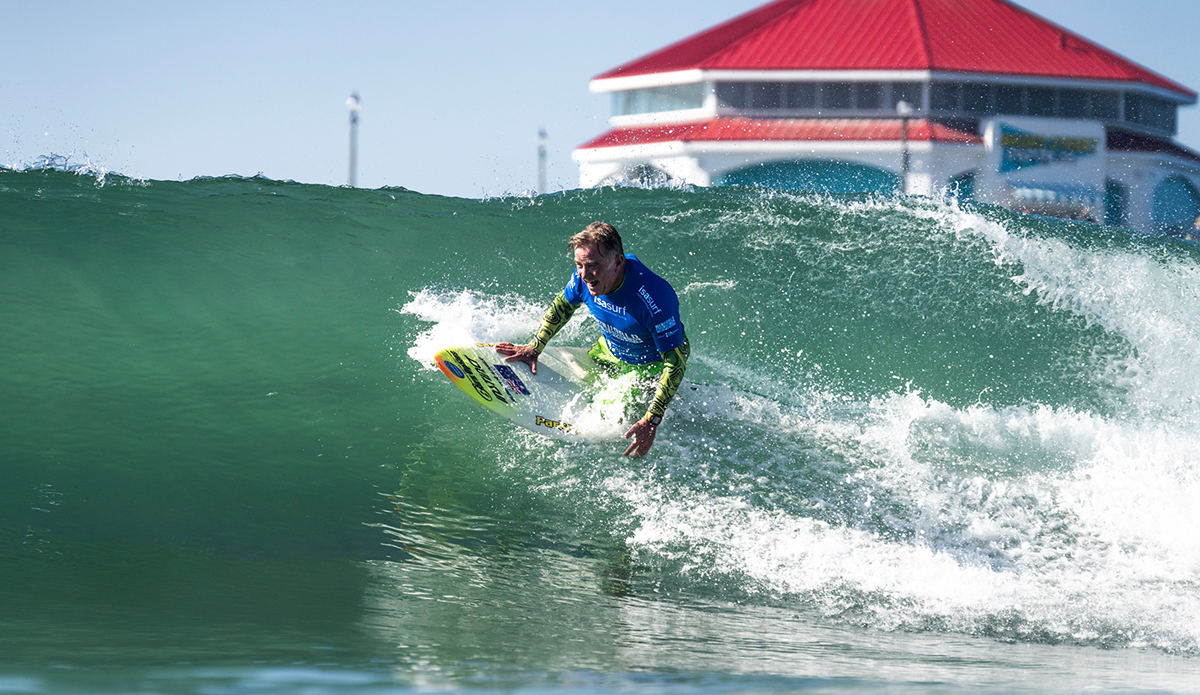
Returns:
<point x="461" y="317"/>
<point x="1081" y="530"/>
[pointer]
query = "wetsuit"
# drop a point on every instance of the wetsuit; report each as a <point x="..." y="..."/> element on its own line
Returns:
<point x="641" y="326"/>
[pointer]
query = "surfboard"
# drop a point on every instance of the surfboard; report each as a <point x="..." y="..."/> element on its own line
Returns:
<point x="557" y="402"/>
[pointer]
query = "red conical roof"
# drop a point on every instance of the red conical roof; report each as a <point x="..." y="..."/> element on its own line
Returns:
<point x="974" y="36"/>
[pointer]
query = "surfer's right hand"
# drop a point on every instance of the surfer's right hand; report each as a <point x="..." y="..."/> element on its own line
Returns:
<point x="519" y="353"/>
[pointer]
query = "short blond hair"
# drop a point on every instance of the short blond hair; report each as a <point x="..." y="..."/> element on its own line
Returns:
<point x="602" y="235"/>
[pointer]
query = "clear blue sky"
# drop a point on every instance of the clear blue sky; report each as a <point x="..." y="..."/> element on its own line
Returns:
<point x="453" y="92"/>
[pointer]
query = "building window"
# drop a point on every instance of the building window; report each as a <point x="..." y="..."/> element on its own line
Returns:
<point x="1042" y="101"/>
<point x="1010" y="100"/>
<point x="837" y="95"/>
<point x="652" y="99"/>
<point x="810" y="96"/>
<point x="731" y="94"/>
<point x="870" y="95"/>
<point x="1151" y="112"/>
<point x="1014" y="100"/>
<point x="802" y="95"/>
<point x="765" y="95"/>
<point x="943" y="96"/>
<point x="1073" y="103"/>
<point x="908" y="92"/>
<point x="1106" y="106"/>
<point x="972" y="98"/>
<point x="977" y="98"/>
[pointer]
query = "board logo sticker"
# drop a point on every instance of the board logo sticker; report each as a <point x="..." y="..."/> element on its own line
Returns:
<point x="513" y="380"/>
<point x="485" y="385"/>
<point x="541" y="405"/>
<point x="557" y="425"/>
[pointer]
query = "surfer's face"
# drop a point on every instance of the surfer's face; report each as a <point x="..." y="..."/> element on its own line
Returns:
<point x="601" y="274"/>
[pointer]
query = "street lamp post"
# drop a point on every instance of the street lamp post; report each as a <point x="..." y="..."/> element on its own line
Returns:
<point x="355" y="106"/>
<point x="904" y="110"/>
<point x="541" y="150"/>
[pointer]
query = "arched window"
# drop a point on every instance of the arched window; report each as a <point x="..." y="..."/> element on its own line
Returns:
<point x="1176" y="206"/>
<point x="1114" y="203"/>
<point x="640" y="174"/>
<point x="817" y="176"/>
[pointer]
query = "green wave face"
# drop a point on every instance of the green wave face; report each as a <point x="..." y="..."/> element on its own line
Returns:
<point x="223" y="440"/>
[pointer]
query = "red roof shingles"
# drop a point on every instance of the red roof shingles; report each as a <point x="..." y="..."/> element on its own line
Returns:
<point x="782" y="129"/>
<point x="972" y="36"/>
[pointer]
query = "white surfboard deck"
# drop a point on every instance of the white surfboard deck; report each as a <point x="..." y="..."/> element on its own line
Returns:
<point x="557" y="402"/>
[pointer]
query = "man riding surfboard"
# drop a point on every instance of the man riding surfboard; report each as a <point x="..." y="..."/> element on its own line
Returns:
<point x="638" y="314"/>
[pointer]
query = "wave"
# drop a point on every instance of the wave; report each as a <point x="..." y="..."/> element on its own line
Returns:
<point x="902" y="414"/>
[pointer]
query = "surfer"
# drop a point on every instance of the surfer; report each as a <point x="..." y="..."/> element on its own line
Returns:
<point x="638" y="314"/>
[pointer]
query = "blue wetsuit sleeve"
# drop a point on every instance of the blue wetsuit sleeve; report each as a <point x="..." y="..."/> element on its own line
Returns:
<point x="666" y="329"/>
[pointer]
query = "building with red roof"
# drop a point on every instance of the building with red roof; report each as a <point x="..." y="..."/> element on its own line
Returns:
<point x="979" y="98"/>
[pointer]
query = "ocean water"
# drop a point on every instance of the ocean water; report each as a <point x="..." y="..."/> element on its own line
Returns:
<point x="924" y="447"/>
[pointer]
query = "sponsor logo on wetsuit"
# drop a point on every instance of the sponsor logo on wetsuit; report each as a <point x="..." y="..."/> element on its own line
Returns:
<point x="665" y="325"/>
<point x="619" y="334"/>
<point x="648" y="300"/>
<point x="609" y="305"/>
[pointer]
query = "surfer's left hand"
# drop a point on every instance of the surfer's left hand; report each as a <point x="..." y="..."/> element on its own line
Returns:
<point x="519" y="353"/>
<point x="643" y="432"/>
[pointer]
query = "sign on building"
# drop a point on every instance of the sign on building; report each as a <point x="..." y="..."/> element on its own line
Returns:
<point x="1045" y="166"/>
